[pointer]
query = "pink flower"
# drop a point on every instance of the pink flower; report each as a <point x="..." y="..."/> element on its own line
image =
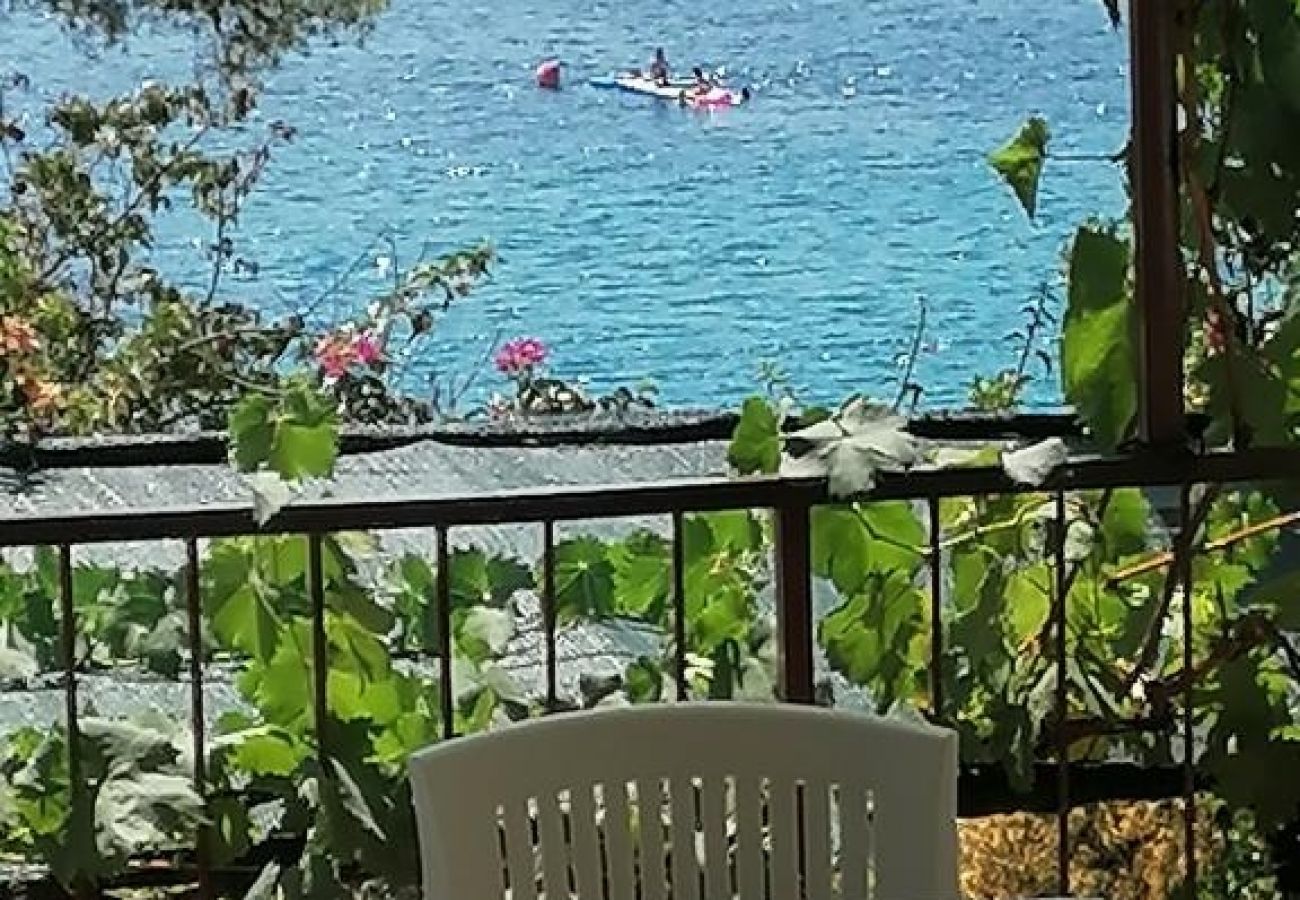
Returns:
<point x="367" y="348"/>
<point x="521" y="355"/>
<point x="335" y="354"/>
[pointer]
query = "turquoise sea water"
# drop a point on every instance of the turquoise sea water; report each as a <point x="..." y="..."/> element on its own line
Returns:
<point x="645" y="241"/>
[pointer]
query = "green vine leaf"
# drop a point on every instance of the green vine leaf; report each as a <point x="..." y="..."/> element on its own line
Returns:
<point x="756" y="443"/>
<point x="262" y="750"/>
<point x="1098" y="355"/>
<point x="1020" y="162"/>
<point x="240" y="606"/>
<point x="642" y="566"/>
<point x="868" y="639"/>
<point x="584" y="580"/>
<point x="252" y="434"/>
<point x="296" y="437"/>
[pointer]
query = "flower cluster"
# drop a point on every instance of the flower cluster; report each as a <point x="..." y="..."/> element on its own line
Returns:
<point x="519" y="357"/>
<point x="19" y="343"/>
<point x="17" y="336"/>
<point x="336" y="353"/>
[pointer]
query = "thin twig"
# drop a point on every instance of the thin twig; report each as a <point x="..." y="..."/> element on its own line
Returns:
<point x="1223" y="543"/>
<point x="150" y="183"/>
<point x="918" y="334"/>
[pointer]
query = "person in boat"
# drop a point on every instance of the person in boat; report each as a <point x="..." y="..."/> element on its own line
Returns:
<point x="659" y="68"/>
<point x="703" y="85"/>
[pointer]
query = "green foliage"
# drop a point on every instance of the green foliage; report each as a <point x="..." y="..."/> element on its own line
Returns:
<point x="756" y="443"/>
<point x="296" y="436"/>
<point x="1098" y="345"/>
<point x="1020" y="162"/>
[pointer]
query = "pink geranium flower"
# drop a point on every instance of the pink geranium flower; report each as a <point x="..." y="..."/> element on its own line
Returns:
<point x="519" y="356"/>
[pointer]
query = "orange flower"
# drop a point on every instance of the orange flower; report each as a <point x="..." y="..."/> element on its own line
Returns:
<point x="17" y="336"/>
<point x="42" y="396"/>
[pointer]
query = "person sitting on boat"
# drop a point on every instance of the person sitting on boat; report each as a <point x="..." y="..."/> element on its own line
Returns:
<point x="659" y="68"/>
<point x="703" y="85"/>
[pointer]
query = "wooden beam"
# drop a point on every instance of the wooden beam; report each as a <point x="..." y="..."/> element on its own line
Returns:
<point x="1155" y="183"/>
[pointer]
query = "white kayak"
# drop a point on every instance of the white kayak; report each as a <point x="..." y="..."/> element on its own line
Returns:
<point x="681" y="91"/>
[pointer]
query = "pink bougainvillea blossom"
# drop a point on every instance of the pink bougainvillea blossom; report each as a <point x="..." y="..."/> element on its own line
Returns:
<point x="338" y="352"/>
<point x="335" y="354"/>
<point x="520" y="355"/>
<point x="368" y="348"/>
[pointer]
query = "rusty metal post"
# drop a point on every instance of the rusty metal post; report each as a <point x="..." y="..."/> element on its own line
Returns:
<point x="1189" y="731"/>
<point x="549" y="615"/>
<point x="319" y="649"/>
<point x="794" y="603"/>
<point x="442" y="612"/>
<point x="1062" y="699"/>
<point x="198" y="726"/>
<point x="1159" y="268"/>
<point x="679" y="605"/>
<point x="936" y="612"/>
<point x="68" y="637"/>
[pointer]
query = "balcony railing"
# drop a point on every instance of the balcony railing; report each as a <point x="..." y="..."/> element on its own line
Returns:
<point x="791" y="502"/>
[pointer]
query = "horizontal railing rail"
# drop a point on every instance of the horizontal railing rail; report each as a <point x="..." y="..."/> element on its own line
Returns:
<point x="577" y="502"/>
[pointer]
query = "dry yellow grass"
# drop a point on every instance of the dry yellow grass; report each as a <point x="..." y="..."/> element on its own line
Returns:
<point x="1121" y="851"/>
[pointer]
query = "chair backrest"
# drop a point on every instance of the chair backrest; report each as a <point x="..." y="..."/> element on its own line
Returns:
<point x="691" y="801"/>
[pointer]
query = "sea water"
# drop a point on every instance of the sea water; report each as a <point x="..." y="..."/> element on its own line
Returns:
<point x="644" y="241"/>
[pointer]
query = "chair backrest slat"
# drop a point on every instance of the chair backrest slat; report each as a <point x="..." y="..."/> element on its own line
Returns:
<point x="817" y="839"/>
<point x="587" y="865"/>
<point x="617" y="827"/>
<point x="650" y="834"/>
<point x="856" y="862"/>
<point x="784" y="827"/>
<point x="684" y="848"/>
<point x="521" y="856"/>
<point x="713" y="820"/>
<point x="554" y="848"/>
<point x="722" y="801"/>
<point x="751" y="870"/>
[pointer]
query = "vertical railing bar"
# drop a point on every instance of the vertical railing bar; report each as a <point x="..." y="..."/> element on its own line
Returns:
<point x="68" y="637"/>
<point x="1188" y="544"/>
<point x="442" y="612"/>
<point x="936" y="612"/>
<point x="549" y="615"/>
<point x="198" y="727"/>
<point x="794" y="602"/>
<point x="679" y="604"/>
<point x="1061" y="703"/>
<point x="319" y="650"/>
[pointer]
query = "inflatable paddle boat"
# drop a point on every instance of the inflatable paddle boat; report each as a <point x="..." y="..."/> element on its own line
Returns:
<point x="681" y="91"/>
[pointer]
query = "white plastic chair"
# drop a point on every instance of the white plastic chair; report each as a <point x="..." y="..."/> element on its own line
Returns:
<point x="567" y="807"/>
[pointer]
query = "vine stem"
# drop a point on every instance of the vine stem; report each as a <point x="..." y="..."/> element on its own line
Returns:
<point x="1223" y="543"/>
<point x="1207" y="259"/>
<point x="1182" y="546"/>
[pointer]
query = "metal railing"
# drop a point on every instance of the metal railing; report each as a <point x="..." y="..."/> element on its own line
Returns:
<point x="790" y="500"/>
